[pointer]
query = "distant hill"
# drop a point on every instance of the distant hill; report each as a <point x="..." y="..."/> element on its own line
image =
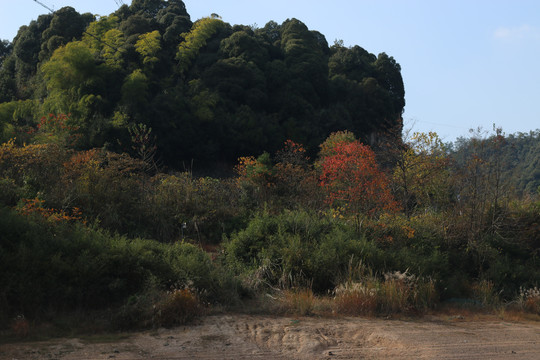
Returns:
<point x="515" y="156"/>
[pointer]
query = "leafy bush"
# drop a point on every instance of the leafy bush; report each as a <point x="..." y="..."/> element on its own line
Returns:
<point x="9" y="192"/>
<point x="116" y="191"/>
<point x="207" y="206"/>
<point x="32" y="169"/>
<point x="289" y="183"/>
<point x="296" y="243"/>
<point x="46" y="265"/>
<point x="138" y="309"/>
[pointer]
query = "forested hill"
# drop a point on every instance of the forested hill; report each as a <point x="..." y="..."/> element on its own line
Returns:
<point x="209" y="90"/>
<point x="514" y="160"/>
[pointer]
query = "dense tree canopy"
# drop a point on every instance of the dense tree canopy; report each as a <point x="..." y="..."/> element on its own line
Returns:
<point x="514" y="158"/>
<point x="210" y="90"/>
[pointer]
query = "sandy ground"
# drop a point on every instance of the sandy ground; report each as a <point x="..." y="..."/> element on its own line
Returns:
<point x="264" y="337"/>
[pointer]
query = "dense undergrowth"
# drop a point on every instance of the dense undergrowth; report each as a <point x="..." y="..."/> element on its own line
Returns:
<point x="48" y="268"/>
<point x="98" y="231"/>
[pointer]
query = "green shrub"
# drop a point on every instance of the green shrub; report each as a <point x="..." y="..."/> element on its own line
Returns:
<point x="330" y="259"/>
<point x="46" y="266"/>
<point x="9" y="192"/>
<point x="138" y="309"/>
<point x="296" y="243"/>
<point x="207" y="206"/>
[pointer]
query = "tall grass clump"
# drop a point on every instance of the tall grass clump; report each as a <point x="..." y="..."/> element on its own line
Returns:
<point x="485" y="294"/>
<point x="529" y="300"/>
<point x="395" y="292"/>
<point x="177" y="307"/>
<point x="297" y="301"/>
<point x="357" y="298"/>
<point x="402" y="292"/>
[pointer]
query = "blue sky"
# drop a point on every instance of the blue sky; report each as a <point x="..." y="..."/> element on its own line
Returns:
<point x="465" y="64"/>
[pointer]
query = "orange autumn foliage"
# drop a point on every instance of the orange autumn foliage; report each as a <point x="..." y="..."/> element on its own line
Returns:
<point x="31" y="207"/>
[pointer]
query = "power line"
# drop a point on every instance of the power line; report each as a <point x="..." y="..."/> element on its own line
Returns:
<point x="101" y="41"/>
<point x="45" y="6"/>
<point x="119" y="3"/>
<point x="440" y="124"/>
<point x="84" y="31"/>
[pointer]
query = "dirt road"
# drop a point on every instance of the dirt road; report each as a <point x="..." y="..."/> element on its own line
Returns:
<point x="263" y="337"/>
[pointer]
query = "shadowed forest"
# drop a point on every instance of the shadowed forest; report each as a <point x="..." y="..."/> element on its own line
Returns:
<point x="153" y="168"/>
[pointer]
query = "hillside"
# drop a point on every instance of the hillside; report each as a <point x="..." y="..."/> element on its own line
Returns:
<point x="209" y="90"/>
<point x="514" y="159"/>
<point x="329" y="209"/>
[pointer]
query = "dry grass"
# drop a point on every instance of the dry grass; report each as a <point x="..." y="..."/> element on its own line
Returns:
<point x="460" y="313"/>
<point x="297" y="301"/>
<point x="356" y="298"/>
<point x="514" y="315"/>
<point x="20" y="326"/>
<point x="53" y="325"/>
<point x="529" y="300"/>
<point x="397" y="293"/>
<point x="394" y="295"/>
<point x="177" y="307"/>
<point x="484" y="292"/>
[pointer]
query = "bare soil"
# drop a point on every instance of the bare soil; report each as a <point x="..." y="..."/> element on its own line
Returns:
<point x="266" y="337"/>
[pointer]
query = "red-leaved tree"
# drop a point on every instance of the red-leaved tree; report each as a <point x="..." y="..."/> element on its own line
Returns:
<point x="352" y="180"/>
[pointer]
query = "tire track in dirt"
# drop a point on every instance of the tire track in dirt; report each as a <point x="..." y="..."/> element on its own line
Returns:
<point x="264" y="337"/>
